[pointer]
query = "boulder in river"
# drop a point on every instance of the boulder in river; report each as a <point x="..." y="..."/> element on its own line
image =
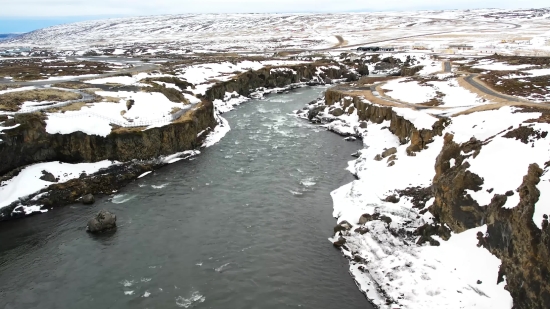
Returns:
<point x="88" y="199"/>
<point x="104" y="221"/>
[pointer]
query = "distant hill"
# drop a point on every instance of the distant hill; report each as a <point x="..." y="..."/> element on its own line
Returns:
<point x="4" y="36"/>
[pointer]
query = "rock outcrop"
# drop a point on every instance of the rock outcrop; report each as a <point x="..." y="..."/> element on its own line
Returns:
<point x="512" y="236"/>
<point x="521" y="245"/>
<point x="247" y="82"/>
<point x="399" y="126"/>
<point x="452" y="205"/>
<point x="30" y="143"/>
<point x="104" y="221"/>
<point x="88" y="199"/>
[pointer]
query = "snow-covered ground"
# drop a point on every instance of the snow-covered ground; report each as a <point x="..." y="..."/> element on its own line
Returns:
<point x="28" y="180"/>
<point x="487" y="30"/>
<point x="95" y="119"/>
<point x="409" y="91"/>
<point x="425" y="276"/>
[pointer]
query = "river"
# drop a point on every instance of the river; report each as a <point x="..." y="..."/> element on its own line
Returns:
<point x="243" y="225"/>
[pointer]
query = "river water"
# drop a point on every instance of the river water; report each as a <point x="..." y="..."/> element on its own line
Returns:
<point x="243" y="225"/>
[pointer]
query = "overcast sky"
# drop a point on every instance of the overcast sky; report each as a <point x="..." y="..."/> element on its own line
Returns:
<point x="26" y="15"/>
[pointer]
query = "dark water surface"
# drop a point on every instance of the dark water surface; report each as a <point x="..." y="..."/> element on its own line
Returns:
<point x="243" y="225"/>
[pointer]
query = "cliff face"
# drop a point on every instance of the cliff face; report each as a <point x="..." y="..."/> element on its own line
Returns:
<point x="268" y="78"/>
<point x="512" y="236"/>
<point x="399" y="126"/>
<point x="30" y="143"/>
<point x="452" y="205"/>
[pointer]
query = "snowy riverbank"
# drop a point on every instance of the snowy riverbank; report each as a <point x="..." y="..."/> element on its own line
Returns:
<point x="394" y="221"/>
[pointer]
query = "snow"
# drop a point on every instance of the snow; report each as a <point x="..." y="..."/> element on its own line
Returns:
<point x="123" y="80"/>
<point x="144" y="174"/>
<point x="7" y="128"/>
<point x="409" y="91"/>
<point x="17" y="89"/>
<point x="151" y="108"/>
<point x="532" y="73"/>
<point x="28" y="182"/>
<point x="431" y="68"/>
<point x="491" y="159"/>
<point x="456" y="96"/>
<point x="420" y="120"/>
<point x="485" y="124"/>
<point x="499" y="66"/>
<point x="264" y="33"/>
<point x="204" y="76"/>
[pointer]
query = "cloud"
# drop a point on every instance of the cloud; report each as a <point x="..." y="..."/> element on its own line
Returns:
<point x="51" y="8"/>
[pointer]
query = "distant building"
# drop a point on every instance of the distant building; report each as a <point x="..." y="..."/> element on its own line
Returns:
<point x="419" y="47"/>
<point x="461" y="47"/>
<point x="375" y="49"/>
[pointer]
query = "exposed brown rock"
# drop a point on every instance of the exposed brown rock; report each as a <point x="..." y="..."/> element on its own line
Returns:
<point x="452" y="204"/>
<point x="399" y="126"/>
<point x="30" y="143"/>
<point x="523" y="248"/>
<point x="526" y="134"/>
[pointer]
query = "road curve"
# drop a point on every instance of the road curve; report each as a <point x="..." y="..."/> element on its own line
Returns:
<point x="470" y="79"/>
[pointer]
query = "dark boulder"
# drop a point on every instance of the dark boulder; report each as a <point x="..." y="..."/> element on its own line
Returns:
<point x="340" y="242"/>
<point x="342" y="226"/>
<point x="47" y="176"/>
<point x="337" y="112"/>
<point x="88" y="199"/>
<point x="104" y="221"/>
<point x="392" y="199"/>
<point x="365" y="218"/>
<point x="315" y="111"/>
<point x="389" y="152"/>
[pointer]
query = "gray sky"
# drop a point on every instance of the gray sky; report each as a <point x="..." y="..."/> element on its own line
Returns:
<point x="64" y="8"/>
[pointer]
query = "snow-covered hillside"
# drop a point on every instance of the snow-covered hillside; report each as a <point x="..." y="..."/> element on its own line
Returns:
<point x="257" y="32"/>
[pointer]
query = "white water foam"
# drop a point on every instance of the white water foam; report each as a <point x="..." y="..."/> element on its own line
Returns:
<point x="121" y="198"/>
<point x="196" y="298"/>
<point x="127" y="283"/>
<point x="308" y="182"/>
<point x="159" y="186"/>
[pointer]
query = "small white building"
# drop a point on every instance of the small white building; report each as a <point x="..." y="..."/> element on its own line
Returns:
<point x="461" y="47"/>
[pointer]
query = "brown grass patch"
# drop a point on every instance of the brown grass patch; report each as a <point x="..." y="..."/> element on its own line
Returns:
<point x="72" y="85"/>
<point x="12" y="101"/>
<point x="71" y="107"/>
<point x="36" y="69"/>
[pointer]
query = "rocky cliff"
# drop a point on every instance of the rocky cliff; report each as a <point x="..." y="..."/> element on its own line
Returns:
<point x="268" y="77"/>
<point x="30" y="143"/>
<point x="512" y="236"/>
<point x="399" y="126"/>
<point x="522" y="247"/>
